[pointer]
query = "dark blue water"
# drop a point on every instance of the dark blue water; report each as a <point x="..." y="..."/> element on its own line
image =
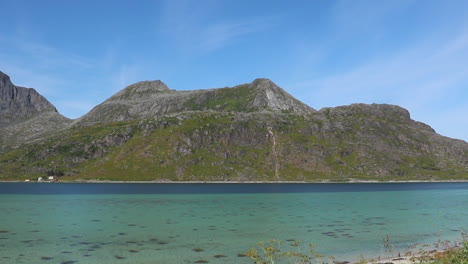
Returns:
<point x="199" y="188"/>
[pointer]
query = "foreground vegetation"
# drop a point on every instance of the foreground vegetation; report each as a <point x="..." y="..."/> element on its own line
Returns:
<point x="443" y="252"/>
<point x="454" y="256"/>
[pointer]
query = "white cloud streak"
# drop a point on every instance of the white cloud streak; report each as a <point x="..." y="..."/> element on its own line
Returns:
<point x="216" y="36"/>
<point x="429" y="77"/>
<point x="188" y="25"/>
<point x="57" y="74"/>
<point x="422" y="73"/>
<point x="124" y="76"/>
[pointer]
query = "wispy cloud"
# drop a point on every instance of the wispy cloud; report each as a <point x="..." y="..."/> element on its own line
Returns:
<point x="428" y="75"/>
<point x="417" y="76"/>
<point x="46" y="84"/>
<point x="50" y="56"/>
<point x="58" y="73"/>
<point x="34" y="64"/>
<point x="188" y="25"/>
<point x="43" y="56"/>
<point x="124" y="76"/>
<point x="216" y="36"/>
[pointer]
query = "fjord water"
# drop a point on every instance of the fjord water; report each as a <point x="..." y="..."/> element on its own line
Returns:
<point x="217" y="223"/>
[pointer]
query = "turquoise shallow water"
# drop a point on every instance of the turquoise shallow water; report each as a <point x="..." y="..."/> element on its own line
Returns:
<point x="70" y="224"/>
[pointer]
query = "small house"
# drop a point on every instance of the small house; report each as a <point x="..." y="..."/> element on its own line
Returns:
<point x="51" y="178"/>
<point x="40" y="179"/>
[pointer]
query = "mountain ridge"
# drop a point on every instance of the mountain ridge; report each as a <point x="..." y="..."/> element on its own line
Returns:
<point x="249" y="132"/>
<point x="19" y="103"/>
<point x="149" y="99"/>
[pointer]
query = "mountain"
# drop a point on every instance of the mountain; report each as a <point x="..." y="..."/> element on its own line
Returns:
<point x="19" y="103"/>
<point x="253" y="131"/>
<point x="150" y="99"/>
<point x="25" y="114"/>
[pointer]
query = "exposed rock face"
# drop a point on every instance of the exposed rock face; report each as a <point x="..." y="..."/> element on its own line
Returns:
<point x="25" y="115"/>
<point x="141" y="91"/>
<point x="272" y="97"/>
<point x="386" y="141"/>
<point x="19" y="103"/>
<point x="153" y="99"/>
<point x="37" y="127"/>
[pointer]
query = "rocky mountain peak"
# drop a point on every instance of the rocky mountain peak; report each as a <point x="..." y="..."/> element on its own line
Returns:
<point x="4" y="79"/>
<point x="151" y="99"/>
<point x="141" y="91"/>
<point x="18" y="103"/>
<point x="263" y="83"/>
<point x="272" y="97"/>
<point x="6" y="87"/>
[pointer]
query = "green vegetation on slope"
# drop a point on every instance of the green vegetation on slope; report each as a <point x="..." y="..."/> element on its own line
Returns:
<point x="225" y="99"/>
<point x="234" y="146"/>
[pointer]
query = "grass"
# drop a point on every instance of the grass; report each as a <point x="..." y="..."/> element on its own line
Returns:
<point x="271" y="252"/>
<point x="453" y="256"/>
<point x="226" y="99"/>
<point x="207" y="145"/>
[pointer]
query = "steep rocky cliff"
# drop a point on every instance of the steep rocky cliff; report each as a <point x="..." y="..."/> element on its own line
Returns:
<point x="253" y="131"/>
<point x="25" y="114"/>
<point x="19" y="103"/>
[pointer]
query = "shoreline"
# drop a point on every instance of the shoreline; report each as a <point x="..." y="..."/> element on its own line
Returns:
<point x="429" y="256"/>
<point x="352" y="181"/>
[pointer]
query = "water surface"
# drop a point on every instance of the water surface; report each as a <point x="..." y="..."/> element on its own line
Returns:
<point x="217" y="223"/>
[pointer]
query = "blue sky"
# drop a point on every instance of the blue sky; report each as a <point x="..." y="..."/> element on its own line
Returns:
<point x="325" y="53"/>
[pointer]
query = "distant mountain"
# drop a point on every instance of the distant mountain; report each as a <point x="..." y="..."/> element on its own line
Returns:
<point x="254" y="131"/>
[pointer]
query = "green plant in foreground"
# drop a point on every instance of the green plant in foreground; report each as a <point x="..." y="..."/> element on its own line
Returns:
<point x="388" y="247"/>
<point x="453" y="256"/>
<point x="454" y="252"/>
<point x="449" y="253"/>
<point x="271" y="253"/>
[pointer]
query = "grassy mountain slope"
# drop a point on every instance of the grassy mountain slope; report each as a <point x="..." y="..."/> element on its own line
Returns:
<point x="253" y="131"/>
<point x="377" y="142"/>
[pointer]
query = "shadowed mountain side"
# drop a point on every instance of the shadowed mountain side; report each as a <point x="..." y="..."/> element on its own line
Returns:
<point x="19" y="103"/>
<point x="25" y="115"/>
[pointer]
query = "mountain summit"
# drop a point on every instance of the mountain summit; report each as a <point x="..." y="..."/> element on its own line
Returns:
<point x="25" y="115"/>
<point x="269" y="96"/>
<point x="140" y="91"/>
<point x="19" y="103"/>
<point x="151" y="99"/>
